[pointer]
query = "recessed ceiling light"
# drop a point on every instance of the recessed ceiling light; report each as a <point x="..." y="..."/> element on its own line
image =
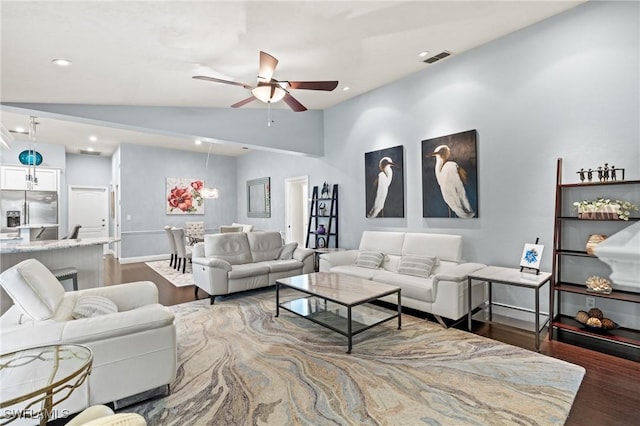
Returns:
<point x="93" y="138"/>
<point x="61" y="62"/>
<point x="20" y="129"/>
<point x="90" y="149"/>
<point x="423" y="53"/>
<point x="345" y="88"/>
<point x="198" y="142"/>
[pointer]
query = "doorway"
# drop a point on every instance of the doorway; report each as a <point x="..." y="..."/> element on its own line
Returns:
<point x="89" y="208"/>
<point x="296" y="199"/>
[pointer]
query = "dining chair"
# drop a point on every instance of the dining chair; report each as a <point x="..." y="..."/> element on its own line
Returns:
<point x="172" y="247"/>
<point x="184" y="251"/>
<point x="194" y="231"/>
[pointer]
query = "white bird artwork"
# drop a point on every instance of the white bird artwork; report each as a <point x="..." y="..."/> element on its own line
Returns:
<point x="382" y="182"/>
<point x="451" y="178"/>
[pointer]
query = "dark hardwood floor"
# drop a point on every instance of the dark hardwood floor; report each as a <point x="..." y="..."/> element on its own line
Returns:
<point x="610" y="390"/>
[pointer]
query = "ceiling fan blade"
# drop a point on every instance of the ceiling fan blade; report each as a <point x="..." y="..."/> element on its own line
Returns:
<point x="243" y="102"/>
<point x="313" y="85"/>
<point x="217" y="80"/>
<point x="267" y="67"/>
<point x="293" y="103"/>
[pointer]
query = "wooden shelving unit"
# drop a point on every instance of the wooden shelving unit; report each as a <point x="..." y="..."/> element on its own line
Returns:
<point x="329" y="219"/>
<point x="563" y="283"/>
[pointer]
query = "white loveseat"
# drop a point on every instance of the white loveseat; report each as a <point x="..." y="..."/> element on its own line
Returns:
<point x="442" y="291"/>
<point x="232" y="262"/>
<point x="134" y="349"/>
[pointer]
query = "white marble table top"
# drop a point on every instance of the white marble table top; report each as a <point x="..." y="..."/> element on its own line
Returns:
<point x="17" y="246"/>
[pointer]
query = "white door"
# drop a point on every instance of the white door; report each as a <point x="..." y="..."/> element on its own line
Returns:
<point x="89" y="208"/>
<point x="296" y="208"/>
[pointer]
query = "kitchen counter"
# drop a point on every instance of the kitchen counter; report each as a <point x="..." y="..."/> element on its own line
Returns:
<point x="84" y="254"/>
<point x="15" y="245"/>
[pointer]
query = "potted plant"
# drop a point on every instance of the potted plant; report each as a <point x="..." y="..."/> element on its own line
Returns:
<point x="602" y="208"/>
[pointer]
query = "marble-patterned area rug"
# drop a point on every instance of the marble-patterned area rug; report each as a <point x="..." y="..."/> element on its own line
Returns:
<point x="240" y="365"/>
<point x="175" y="277"/>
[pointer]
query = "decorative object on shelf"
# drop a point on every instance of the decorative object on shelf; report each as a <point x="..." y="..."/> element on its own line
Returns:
<point x="384" y="190"/>
<point x="321" y="230"/>
<point x="595" y="320"/>
<point x="184" y="196"/>
<point x="30" y="158"/>
<point x="605" y="173"/>
<point x="593" y="241"/>
<point x="604" y="209"/>
<point x="450" y="176"/>
<point x="322" y="242"/>
<point x="598" y="284"/>
<point x="531" y="256"/>
<point x="325" y="190"/>
<point x="322" y="207"/>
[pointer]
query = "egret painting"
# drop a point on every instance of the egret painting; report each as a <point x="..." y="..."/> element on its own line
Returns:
<point x="384" y="182"/>
<point x="450" y="176"/>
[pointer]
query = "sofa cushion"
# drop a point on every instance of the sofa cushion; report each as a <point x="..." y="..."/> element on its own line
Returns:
<point x="33" y="288"/>
<point x="443" y="246"/>
<point x="412" y="287"/>
<point x="233" y="247"/>
<point x="287" y="250"/>
<point x="248" y="270"/>
<point x="245" y="227"/>
<point x="282" y="265"/>
<point x="369" y="259"/>
<point x="355" y="271"/>
<point x="384" y="242"/>
<point x="416" y="265"/>
<point x="93" y="306"/>
<point x="264" y="245"/>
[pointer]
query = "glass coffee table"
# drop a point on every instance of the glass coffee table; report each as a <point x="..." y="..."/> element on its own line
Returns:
<point x="339" y="302"/>
<point x="35" y="380"/>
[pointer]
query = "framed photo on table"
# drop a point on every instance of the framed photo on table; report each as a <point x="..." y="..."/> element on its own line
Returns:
<point x="531" y="256"/>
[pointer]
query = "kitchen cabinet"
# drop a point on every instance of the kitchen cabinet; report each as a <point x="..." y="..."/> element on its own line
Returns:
<point x="14" y="178"/>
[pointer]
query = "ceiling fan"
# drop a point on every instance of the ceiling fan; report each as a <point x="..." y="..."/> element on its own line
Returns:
<point x="269" y="90"/>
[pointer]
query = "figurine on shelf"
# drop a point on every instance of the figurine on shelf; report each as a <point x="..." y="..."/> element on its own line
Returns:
<point x="581" y="174"/>
<point x="600" y="174"/>
<point x="606" y="171"/>
<point x="590" y="175"/>
<point x="613" y="172"/>
<point x="325" y="190"/>
<point x="323" y="209"/>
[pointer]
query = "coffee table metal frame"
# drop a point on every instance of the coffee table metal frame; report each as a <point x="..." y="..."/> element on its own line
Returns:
<point x="322" y="307"/>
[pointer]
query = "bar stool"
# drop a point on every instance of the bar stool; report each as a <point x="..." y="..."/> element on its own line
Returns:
<point x="67" y="274"/>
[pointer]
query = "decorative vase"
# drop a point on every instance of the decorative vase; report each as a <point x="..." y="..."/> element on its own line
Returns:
<point x="593" y="241"/>
<point x="321" y="230"/>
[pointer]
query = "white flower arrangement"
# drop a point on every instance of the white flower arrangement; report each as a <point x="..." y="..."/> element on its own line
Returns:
<point x="621" y="208"/>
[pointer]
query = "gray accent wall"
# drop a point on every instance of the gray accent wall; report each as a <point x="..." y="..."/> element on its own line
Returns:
<point x="143" y="173"/>
<point x="567" y="87"/>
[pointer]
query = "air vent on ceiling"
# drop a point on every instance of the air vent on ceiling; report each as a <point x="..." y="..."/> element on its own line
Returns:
<point x="85" y="152"/>
<point x="436" y="58"/>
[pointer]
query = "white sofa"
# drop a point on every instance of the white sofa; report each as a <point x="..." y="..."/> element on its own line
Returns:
<point x="441" y="291"/>
<point x="232" y="262"/>
<point x="134" y="349"/>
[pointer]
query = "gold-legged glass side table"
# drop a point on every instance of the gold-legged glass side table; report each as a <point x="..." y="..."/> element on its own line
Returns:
<point x="37" y="379"/>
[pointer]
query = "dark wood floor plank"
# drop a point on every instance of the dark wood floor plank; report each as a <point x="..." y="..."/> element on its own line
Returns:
<point x="609" y="393"/>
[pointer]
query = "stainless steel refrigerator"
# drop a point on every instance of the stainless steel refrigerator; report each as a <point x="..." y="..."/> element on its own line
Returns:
<point x="30" y="208"/>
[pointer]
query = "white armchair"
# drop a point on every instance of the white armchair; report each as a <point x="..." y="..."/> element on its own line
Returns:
<point x="132" y="337"/>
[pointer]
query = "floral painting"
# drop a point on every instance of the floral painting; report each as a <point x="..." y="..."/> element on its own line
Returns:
<point x="184" y="196"/>
<point x="531" y="256"/>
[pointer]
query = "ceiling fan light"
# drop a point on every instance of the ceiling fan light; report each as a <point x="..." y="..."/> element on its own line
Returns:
<point x="263" y="93"/>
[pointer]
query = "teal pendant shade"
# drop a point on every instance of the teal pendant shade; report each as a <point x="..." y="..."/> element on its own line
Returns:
<point x="30" y="158"/>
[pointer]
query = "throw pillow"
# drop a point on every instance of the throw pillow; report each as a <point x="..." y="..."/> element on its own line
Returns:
<point x="416" y="265"/>
<point x="93" y="306"/>
<point x="369" y="259"/>
<point x="287" y="251"/>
